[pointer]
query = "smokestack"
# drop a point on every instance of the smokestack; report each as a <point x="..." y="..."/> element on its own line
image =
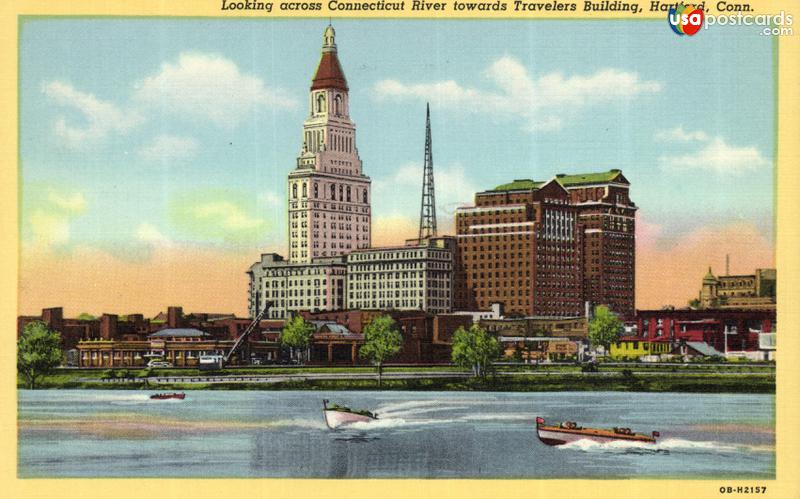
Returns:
<point x="108" y="326"/>
<point x="174" y="315"/>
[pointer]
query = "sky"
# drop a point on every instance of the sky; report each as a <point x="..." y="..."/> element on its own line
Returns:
<point x="154" y="152"/>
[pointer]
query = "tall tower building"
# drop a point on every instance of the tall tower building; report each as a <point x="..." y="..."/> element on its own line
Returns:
<point x="329" y="196"/>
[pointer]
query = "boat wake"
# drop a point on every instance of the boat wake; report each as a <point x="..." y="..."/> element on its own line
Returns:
<point x="385" y="423"/>
<point x="667" y="446"/>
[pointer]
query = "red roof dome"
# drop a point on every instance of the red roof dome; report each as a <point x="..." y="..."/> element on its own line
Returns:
<point x="329" y="73"/>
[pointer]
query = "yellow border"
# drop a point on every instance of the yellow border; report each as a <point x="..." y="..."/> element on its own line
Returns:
<point x="788" y="258"/>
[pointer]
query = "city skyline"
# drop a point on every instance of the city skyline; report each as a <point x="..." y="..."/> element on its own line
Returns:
<point x="174" y="204"/>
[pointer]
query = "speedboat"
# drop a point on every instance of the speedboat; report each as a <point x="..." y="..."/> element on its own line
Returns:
<point x="167" y="396"/>
<point x="569" y="431"/>
<point x="339" y="415"/>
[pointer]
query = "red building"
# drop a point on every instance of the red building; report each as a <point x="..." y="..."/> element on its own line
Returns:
<point x="606" y="218"/>
<point x="520" y="246"/>
<point x="425" y="337"/>
<point x="710" y="326"/>
<point x="127" y="339"/>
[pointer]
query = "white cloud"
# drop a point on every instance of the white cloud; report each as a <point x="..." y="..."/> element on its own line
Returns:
<point x="540" y="103"/>
<point x="48" y="229"/>
<point x="48" y="213"/>
<point x="271" y="199"/>
<point x="681" y="135"/>
<point x="208" y="87"/>
<point x="169" y="148"/>
<point x="148" y="233"/>
<point x="73" y="204"/>
<point x="452" y="189"/>
<point x="101" y="117"/>
<point x="227" y="215"/>
<point x="718" y="156"/>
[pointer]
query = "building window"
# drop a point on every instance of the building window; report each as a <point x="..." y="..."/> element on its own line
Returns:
<point x="294" y="191"/>
<point x="333" y="192"/>
<point x="320" y="102"/>
<point x="305" y="190"/>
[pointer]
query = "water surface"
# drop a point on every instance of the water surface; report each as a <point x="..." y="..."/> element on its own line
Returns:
<point x="106" y="433"/>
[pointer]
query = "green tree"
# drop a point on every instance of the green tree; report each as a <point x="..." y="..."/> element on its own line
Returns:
<point x="297" y="334"/>
<point x="382" y="341"/>
<point x="604" y="328"/>
<point x="475" y="349"/>
<point x="38" y="351"/>
<point x="694" y="304"/>
<point x="85" y="316"/>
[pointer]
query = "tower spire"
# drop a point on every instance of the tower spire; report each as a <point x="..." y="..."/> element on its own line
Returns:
<point x="427" y="214"/>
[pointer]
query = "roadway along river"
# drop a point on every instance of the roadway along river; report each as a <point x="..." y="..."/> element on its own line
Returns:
<point x="107" y="433"/>
<point x="277" y="378"/>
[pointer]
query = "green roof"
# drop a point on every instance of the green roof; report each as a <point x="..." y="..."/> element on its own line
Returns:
<point x="565" y="180"/>
<point x="519" y="185"/>
<point x="587" y="178"/>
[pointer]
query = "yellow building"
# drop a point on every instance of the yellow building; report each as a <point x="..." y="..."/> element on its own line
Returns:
<point x="634" y="348"/>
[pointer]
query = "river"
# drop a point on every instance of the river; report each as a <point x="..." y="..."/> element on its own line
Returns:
<point x="113" y="433"/>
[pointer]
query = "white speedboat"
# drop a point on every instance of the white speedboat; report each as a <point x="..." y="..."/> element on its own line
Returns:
<point x="339" y="415"/>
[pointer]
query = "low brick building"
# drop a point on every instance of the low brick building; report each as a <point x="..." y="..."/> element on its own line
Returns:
<point x="132" y="340"/>
<point x="726" y="330"/>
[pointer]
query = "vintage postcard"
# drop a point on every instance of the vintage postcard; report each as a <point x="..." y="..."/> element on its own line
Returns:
<point x="464" y="248"/>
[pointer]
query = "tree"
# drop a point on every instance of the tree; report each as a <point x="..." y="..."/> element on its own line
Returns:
<point x="38" y="351"/>
<point x="475" y="349"/>
<point x="85" y="316"/>
<point x="297" y="333"/>
<point x="604" y="328"/>
<point x="694" y="304"/>
<point x="382" y="341"/>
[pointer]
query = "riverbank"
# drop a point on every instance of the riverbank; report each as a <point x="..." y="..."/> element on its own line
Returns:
<point x="739" y="379"/>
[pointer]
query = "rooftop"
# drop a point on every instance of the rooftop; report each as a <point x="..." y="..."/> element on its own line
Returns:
<point x="179" y="333"/>
<point x="329" y="72"/>
<point x="588" y="178"/>
<point x="565" y="180"/>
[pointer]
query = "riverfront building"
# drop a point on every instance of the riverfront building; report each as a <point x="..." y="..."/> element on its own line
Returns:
<point x="417" y="276"/>
<point x="547" y="248"/>
<point x="734" y="332"/>
<point x="291" y="287"/>
<point x="607" y="221"/>
<point x="112" y="340"/>
<point x="329" y="196"/>
<point x="519" y="245"/>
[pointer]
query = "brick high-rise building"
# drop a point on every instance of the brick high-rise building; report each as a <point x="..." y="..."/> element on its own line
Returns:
<point x="520" y="246"/>
<point x="607" y="220"/>
<point x="329" y="196"/>
<point x="546" y="248"/>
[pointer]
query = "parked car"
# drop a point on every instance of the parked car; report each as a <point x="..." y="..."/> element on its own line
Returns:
<point x="159" y="363"/>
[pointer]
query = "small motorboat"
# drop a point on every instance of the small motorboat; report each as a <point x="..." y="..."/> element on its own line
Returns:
<point x="569" y="431"/>
<point x="167" y="396"/>
<point x="339" y="415"/>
